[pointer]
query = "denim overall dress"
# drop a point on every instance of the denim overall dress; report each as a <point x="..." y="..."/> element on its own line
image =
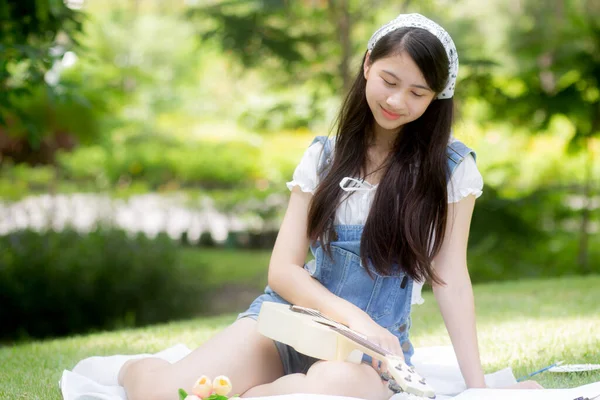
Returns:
<point x="386" y="299"/>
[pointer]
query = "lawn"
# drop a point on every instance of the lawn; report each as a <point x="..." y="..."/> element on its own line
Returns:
<point x="525" y="325"/>
<point x="219" y="265"/>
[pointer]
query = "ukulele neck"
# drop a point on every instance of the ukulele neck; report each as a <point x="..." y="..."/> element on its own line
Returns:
<point x="342" y="330"/>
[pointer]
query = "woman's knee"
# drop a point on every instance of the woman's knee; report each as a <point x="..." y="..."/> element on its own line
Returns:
<point x="142" y="380"/>
<point x="347" y="379"/>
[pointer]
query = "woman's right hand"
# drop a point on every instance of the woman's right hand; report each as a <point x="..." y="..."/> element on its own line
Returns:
<point x="361" y="322"/>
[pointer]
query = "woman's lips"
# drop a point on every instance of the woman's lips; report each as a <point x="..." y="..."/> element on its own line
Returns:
<point x="389" y="115"/>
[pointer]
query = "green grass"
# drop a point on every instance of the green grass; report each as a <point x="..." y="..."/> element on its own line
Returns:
<point x="528" y="325"/>
<point x="525" y="325"/>
<point x="235" y="266"/>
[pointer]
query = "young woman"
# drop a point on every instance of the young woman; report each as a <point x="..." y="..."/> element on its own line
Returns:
<point x="385" y="205"/>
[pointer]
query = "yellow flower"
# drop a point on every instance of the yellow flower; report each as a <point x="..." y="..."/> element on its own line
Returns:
<point x="222" y="385"/>
<point x="203" y="387"/>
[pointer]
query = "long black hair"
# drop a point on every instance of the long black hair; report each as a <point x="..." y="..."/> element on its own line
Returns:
<point x="407" y="219"/>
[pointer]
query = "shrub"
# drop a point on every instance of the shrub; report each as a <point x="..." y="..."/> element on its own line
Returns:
<point x="157" y="162"/>
<point x="86" y="162"/>
<point x="527" y="237"/>
<point x="57" y="283"/>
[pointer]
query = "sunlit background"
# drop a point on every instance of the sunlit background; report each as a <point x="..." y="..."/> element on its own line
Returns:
<point x="145" y="146"/>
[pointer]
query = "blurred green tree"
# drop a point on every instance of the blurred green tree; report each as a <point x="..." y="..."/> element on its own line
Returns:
<point x="316" y="44"/>
<point x="34" y="34"/>
<point x="315" y="33"/>
<point x="556" y="71"/>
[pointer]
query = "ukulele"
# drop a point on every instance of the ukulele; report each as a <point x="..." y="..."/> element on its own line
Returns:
<point x="311" y="333"/>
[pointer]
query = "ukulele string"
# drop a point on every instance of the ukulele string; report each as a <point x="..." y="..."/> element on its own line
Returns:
<point x="370" y="345"/>
<point x="314" y="313"/>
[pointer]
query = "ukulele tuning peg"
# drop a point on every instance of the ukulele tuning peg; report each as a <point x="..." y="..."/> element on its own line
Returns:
<point x="385" y="376"/>
<point x="394" y="387"/>
<point x="399" y="367"/>
<point x="408" y="378"/>
<point x="422" y="381"/>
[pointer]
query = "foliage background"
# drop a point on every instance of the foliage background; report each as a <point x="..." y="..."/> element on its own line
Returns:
<point x="214" y="102"/>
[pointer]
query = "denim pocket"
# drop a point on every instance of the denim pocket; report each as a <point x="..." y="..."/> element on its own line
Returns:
<point x="385" y="299"/>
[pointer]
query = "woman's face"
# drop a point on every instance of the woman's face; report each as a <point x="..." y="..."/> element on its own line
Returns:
<point x="396" y="91"/>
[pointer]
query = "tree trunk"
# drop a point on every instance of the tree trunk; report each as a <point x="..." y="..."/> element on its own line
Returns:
<point x="404" y="6"/>
<point x="340" y="14"/>
<point x="586" y="214"/>
<point x="582" y="259"/>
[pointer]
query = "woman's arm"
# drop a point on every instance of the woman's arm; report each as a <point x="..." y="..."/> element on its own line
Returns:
<point x="289" y="279"/>
<point x="455" y="298"/>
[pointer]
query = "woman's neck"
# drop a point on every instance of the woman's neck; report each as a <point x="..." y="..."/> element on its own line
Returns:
<point x="381" y="145"/>
<point x="382" y="140"/>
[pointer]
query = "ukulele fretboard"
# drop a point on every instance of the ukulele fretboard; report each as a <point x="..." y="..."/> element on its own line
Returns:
<point x="342" y="329"/>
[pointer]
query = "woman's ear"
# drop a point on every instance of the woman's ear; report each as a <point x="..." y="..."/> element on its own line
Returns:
<point x="367" y="65"/>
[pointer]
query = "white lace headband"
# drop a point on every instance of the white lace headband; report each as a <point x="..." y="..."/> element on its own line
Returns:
<point x="419" y="21"/>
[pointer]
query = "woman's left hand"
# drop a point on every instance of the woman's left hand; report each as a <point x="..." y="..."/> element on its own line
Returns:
<point x="361" y="322"/>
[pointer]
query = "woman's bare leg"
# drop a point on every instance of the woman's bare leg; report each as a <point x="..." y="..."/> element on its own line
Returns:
<point x="239" y="352"/>
<point x="329" y="377"/>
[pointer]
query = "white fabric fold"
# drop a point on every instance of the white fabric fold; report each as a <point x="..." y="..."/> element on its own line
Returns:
<point x="94" y="378"/>
<point x="466" y="180"/>
<point x="305" y="175"/>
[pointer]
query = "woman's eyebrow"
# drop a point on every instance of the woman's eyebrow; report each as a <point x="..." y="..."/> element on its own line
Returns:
<point x="394" y="75"/>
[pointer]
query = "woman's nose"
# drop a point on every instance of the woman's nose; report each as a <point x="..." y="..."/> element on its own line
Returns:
<point x="396" y="101"/>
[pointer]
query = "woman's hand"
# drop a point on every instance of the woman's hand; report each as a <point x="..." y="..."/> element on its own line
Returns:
<point x="375" y="333"/>
<point x="525" y="385"/>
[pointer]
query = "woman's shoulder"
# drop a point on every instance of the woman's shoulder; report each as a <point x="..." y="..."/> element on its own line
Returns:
<point x="465" y="176"/>
<point x="321" y="149"/>
<point x="457" y="150"/>
<point x="320" y="146"/>
<point x="323" y="141"/>
<point x="306" y="173"/>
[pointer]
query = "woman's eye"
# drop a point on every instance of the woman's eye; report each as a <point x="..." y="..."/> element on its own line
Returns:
<point x="389" y="83"/>
<point x="417" y="94"/>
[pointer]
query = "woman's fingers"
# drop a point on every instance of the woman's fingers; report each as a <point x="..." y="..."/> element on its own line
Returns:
<point x="395" y="347"/>
<point x="375" y="364"/>
<point x="391" y="344"/>
<point x="376" y="341"/>
<point x="388" y="342"/>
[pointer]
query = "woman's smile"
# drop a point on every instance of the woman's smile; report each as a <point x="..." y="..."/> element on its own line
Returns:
<point x="389" y="115"/>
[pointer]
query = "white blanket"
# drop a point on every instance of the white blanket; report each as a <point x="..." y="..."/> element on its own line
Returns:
<point x="95" y="378"/>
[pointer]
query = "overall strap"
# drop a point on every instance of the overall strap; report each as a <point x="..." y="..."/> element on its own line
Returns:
<point x="456" y="152"/>
<point x="325" y="157"/>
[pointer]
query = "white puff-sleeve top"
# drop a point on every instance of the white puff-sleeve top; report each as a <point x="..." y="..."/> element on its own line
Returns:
<point x="466" y="180"/>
